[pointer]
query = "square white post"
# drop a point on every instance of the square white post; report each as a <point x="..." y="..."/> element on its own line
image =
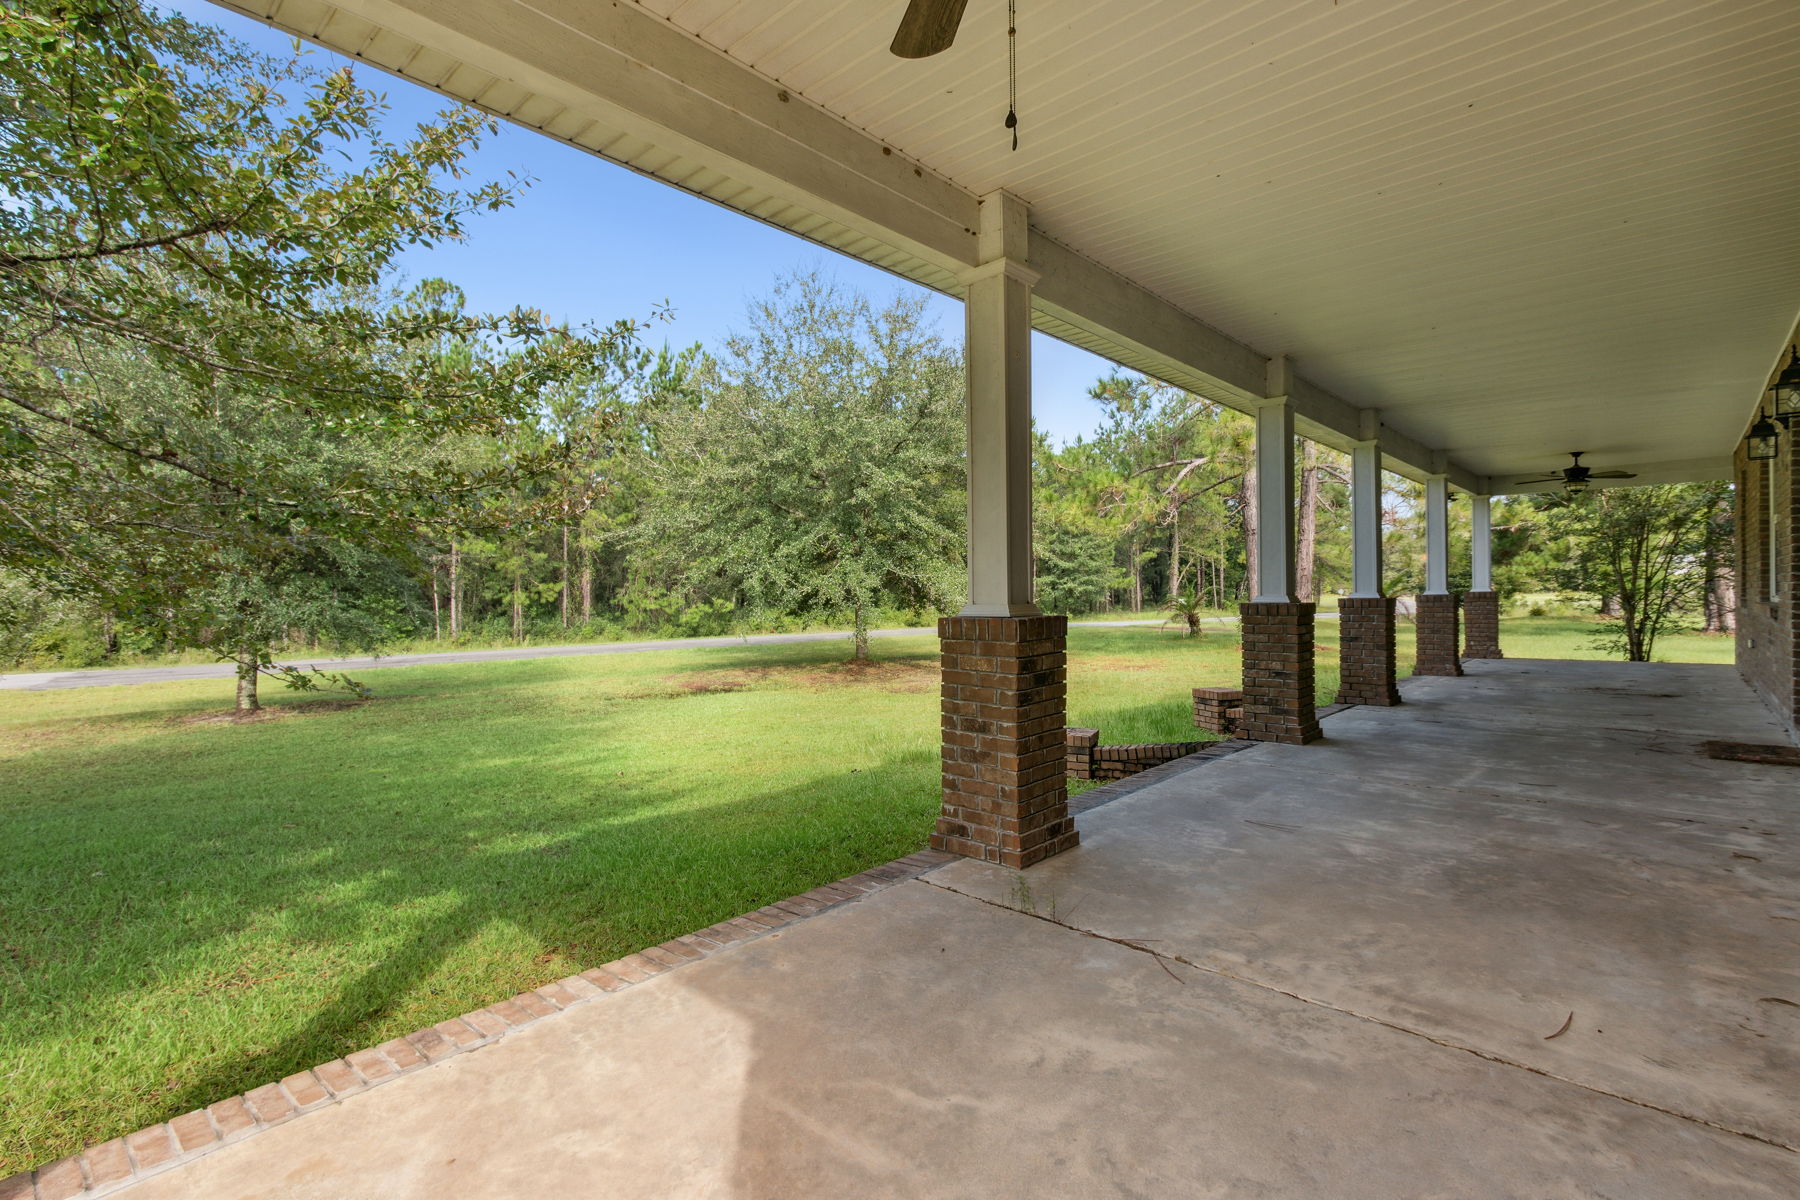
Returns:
<point x="1005" y="794"/>
<point x="1365" y="510"/>
<point x="1437" y="535"/>
<point x="1277" y="629"/>
<point x="1481" y="564"/>
<point x="1274" y="547"/>
<point x="998" y="353"/>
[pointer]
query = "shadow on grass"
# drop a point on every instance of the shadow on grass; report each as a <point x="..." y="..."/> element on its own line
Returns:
<point x="772" y="862"/>
<point x="263" y="898"/>
<point x="206" y="908"/>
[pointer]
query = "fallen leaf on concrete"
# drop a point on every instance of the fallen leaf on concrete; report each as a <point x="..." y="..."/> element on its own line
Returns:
<point x="1565" y="1028"/>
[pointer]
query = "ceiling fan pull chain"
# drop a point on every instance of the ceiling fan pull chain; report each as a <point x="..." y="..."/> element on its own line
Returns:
<point x="1012" y="70"/>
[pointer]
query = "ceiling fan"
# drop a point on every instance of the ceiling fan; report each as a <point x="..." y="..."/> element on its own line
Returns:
<point x="928" y="27"/>
<point x="1575" y="478"/>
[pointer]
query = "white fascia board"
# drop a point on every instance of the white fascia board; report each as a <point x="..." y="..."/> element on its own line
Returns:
<point x="620" y="65"/>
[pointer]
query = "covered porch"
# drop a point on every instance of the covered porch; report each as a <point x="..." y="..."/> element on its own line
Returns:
<point x="1514" y="937"/>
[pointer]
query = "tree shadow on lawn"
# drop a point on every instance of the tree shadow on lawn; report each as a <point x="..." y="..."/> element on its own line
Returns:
<point x="805" y="656"/>
<point x="546" y="850"/>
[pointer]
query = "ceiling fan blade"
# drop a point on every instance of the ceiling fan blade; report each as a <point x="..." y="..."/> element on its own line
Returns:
<point x="1613" y="475"/>
<point x="928" y="27"/>
<point x="1545" y="479"/>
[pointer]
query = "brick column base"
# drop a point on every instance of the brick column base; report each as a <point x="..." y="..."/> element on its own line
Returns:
<point x="1366" y="654"/>
<point x="1481" y="625"/>
<point x="1278" y="673"/>
<point x="1437" y="622"/>
<point x="1006" y="798"/>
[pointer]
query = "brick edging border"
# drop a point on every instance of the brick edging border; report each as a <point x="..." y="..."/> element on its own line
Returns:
<point x="1118" y="789"/>
<point x="106" y="1168"/>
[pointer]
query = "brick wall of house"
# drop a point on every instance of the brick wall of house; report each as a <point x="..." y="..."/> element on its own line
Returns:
<point x="1768" y="642"/>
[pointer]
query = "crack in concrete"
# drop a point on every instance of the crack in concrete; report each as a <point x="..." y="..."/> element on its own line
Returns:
<point x="1138" y="945"/>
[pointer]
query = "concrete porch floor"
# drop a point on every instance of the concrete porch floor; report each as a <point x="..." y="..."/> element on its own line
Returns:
<point x="1361" y="949"/>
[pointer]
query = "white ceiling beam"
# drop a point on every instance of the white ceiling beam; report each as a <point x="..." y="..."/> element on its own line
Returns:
<point x="1079" y="291"/>
<point x="1325" y="418"/>
<point x="1153" y="336"/>
<point x="623" y="67"/>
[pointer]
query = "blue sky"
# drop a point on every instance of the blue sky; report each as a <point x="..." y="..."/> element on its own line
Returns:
<point x="591" y="241"/>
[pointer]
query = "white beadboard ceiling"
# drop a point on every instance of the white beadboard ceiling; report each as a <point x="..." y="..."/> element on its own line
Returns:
<point x="1517" y="227"/>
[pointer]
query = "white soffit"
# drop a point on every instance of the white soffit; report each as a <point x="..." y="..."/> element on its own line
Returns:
<point x="1518" y="228"/>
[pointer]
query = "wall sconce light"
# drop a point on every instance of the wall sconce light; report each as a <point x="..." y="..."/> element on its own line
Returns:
<point x="1787" y="391"/>
<point x="1761" y="439"/>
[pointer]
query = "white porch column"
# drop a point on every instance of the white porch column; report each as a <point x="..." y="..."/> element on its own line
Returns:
<point x="1435" y="632"/>
<point x="1365" y="509"/>
<point x="1276" y="630"/>
<point x="1274" y="547"/>
<point x="998" y="351"/>
<point x="1481" y="607"/>
<point x="1437" y="535"/>
<point x="1481" y="565"/>
<point x="1005" y="797"/>
<point x="1366" y="615"/>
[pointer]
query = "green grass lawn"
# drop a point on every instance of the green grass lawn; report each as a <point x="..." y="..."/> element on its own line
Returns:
<point x="1572" y="637"/>
<point x="190" y="907"/>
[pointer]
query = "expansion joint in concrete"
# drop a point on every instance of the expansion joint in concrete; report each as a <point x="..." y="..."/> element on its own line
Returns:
<point x="1143" y="946"/>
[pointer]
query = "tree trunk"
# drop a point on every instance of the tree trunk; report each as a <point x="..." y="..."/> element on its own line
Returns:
<point x="1724" y="592"/>
<point x="455" y="590"/>
<point x="1636" y="648"/>
<point x="1137" y="577"/>
<point x="1308" y="532"/>
<point x="437" y="614"/>
<point x="564" y="599"/>
<point x="587" y="586"/>
<point x="1175" y="554"/>
<point x="860" y="636"/>
<point x="246" y="680"/>
<point x="1609" y="607"/>
<point x="518" y="607"/>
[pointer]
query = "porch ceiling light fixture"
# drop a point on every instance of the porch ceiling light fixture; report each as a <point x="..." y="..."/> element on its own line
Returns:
<point x="1761" y="439"/>
<point x="1787" y="391"/>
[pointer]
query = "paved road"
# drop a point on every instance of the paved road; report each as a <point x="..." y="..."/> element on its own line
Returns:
<point x="116" y="676"/>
